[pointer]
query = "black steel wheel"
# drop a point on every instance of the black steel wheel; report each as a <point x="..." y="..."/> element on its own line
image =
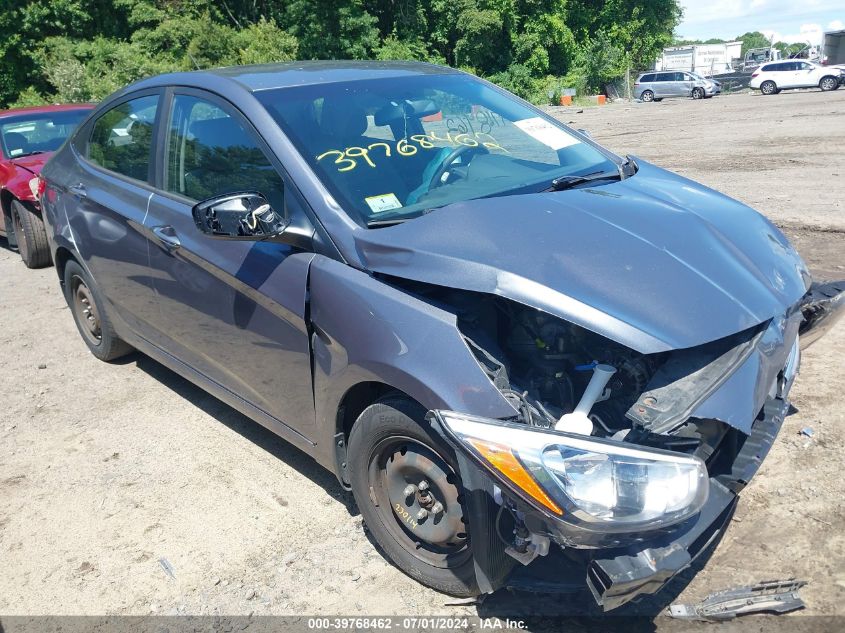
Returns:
<point x="406" y="484"/>
<point x="88" y="309"/>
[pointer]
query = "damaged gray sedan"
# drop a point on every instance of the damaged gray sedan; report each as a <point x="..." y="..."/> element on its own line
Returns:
<point x="536" y="364"/>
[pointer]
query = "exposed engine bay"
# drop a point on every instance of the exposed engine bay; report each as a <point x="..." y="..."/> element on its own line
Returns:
<point x="543" y="364"/>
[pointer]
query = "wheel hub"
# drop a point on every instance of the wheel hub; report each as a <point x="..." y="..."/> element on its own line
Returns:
<point x="423" y="496"/>
<point x="86" y="311"/>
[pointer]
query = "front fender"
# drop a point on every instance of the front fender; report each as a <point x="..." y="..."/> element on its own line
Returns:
<point x="366" y="330"/>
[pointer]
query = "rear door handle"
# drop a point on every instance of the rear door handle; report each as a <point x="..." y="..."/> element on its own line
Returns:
<point x="78" y="190"/>
<point x="167" y="237"/>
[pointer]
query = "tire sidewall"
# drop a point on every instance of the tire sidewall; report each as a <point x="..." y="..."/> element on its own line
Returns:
<point x="772" y="84"/>
<point x="110" y="346"/>
<point x="390" y="417"/>
<point x="30" y="235"/>
<point x="650" y="98"/>
<point x="17" y="216"/>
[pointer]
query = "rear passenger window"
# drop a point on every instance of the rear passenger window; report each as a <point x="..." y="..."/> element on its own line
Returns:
<point x="647" y="78"/>
<point x="209" y="153"/>
<point x="122" y="138"/>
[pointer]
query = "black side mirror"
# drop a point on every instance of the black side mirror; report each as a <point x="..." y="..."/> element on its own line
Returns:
<point x="244" y="215"/>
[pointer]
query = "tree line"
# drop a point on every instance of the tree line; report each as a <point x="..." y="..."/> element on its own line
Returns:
<point x="81" y="50"/>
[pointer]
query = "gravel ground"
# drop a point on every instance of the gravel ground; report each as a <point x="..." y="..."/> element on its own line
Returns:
<point x="126" y="490"/>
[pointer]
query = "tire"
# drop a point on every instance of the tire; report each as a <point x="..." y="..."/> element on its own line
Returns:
<point x="30" y="236"/>
<point x="384" y="446"/>
<point x="698" y="93"/>
<point x="89" y="312"/>
<point x="768" y="87"/>
<point x="647" y="96"/>
<point x="828" y="83"/>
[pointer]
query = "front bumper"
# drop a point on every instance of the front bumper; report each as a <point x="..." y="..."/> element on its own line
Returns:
<point x="617" y="577"/>
<point x="616" y="571"/>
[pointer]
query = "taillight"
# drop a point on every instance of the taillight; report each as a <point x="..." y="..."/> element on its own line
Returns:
<point x="754" y="74"/>
<point x="37" y="186"/>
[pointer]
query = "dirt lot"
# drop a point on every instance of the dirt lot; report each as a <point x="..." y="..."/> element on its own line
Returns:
<point x="106" y="470"/>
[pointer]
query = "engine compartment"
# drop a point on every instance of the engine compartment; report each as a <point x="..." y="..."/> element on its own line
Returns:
<point x="542" y="364"/>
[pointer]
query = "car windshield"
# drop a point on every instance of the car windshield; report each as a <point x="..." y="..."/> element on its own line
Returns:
<point x="390" y="149"/>
<point x="40" y="132"/>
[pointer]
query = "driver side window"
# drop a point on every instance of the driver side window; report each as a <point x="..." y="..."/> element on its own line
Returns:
<point x="209" y="153"/>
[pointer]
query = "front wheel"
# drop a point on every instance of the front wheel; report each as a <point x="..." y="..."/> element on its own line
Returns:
<point x="698" y="93"/>
<point x="829" y="83"/>
<point x="647" y="96"/>
<point x="406" y="484"/>
<point x="768" y="88"/>
<point x="30" y="236"/>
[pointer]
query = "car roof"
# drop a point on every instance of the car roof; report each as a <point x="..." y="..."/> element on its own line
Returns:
<point x="259" y="77"/>
<point x="46" y="108"/>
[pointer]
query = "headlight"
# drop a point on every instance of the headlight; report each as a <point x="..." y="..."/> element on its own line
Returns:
<point x="600" y="485"/>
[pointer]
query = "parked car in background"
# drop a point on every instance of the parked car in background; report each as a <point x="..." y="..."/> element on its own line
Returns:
<point x="656" y="86"/>
<point x="28" y="136"/>
<point x="773" y="77"/>
<point x="532" y="361"/>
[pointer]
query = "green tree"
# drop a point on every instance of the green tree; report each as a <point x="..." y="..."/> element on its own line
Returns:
<point x="753" y="39"/>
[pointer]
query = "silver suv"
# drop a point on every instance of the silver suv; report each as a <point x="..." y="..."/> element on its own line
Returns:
<point x="655" y="86"/>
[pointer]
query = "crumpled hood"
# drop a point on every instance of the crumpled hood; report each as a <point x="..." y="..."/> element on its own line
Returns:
<point x="655" y="262"/>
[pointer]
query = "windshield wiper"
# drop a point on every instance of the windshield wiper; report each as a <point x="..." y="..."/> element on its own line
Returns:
<point x="376" y="223"/>
<point x="567" y="182"/>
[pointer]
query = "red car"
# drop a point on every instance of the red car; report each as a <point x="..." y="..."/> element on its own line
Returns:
<point x="27" y="138"/>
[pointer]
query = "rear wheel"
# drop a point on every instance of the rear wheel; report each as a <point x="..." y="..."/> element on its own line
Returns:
<point x="698" y="93"/>
<point x="406" y="484"/>
<point x="30" y="236"/>
<point x="768" y="88"/>
<point x="90" y="315"/>
<point x="829" y="83"/>
<point x="647" y="96"/>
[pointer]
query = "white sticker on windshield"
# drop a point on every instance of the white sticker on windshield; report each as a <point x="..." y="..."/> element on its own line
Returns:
<point x="384" y="202"/>
<point x="15" y="152"/>
<point x="546" y="133"/>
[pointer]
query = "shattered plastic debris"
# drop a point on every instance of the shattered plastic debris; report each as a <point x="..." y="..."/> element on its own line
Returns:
<point x="771" y="596"/>
<point x="808" y="431"/>
<point x="167" y="567"/>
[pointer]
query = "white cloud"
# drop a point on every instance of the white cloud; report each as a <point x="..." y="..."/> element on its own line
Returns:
<point x="787" y="19"/>
<point x="836" y="25"/>
<point x="808" y="34"/>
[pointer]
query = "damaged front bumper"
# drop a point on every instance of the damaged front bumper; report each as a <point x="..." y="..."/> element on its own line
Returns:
<point x="618" y="574"/>
<point x="616" y="577"/>
<point x="821" y="307"/>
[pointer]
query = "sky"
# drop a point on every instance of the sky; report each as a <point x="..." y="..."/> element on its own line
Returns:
<point x="788" y="20"/>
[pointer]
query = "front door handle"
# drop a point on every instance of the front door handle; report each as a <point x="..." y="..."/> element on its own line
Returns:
<point x="167" y="237"/>
<point x="78" y="190"/>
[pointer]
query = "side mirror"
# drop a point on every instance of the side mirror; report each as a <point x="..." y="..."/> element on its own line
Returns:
<point x="244" y="215"/>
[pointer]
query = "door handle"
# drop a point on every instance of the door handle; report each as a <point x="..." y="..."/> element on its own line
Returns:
<point x="78" y="190"/>
<point x="167" y="237"/>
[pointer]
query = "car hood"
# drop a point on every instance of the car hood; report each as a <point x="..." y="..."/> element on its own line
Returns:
<point x="654" y="262"/>
<point x="32" y="163"/>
